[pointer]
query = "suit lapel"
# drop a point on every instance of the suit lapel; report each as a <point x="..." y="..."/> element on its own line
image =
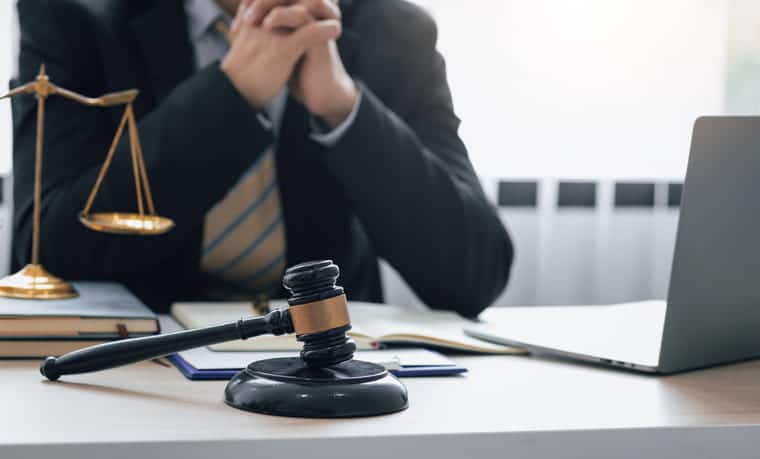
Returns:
<point x="162" y="38"/>
<point x="349" y="41"/>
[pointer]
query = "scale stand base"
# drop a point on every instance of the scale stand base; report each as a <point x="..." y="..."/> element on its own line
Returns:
<point x="33" y="282"/>
<point x="288" y="387"/>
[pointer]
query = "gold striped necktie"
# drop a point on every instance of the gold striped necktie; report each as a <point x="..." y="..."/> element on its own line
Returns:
<point x="244" y="233"/>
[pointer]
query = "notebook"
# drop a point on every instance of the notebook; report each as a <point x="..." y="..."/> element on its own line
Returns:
<point x="373" y="325"/>
<point x="205" y="364"/>
<point x="99" y="309"/>
<point x="103" y="312"/>
<point x="39" y="348"/>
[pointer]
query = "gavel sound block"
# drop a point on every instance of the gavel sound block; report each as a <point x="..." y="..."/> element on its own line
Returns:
<point x="324" y="382"/>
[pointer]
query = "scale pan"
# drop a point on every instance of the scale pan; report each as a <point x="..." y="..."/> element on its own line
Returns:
<point x="126" y="223"/>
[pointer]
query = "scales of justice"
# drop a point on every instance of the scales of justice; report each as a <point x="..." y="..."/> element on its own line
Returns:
<point x="34" y="281"/>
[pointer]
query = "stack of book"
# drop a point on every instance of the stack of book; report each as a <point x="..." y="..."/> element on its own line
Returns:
<point x="103" y="312"/>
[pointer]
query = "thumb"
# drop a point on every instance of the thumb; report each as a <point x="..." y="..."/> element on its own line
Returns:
<point x="313" y="33"/>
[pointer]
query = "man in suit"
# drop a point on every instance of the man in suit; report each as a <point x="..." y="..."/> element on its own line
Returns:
<point x="274" y="132"/>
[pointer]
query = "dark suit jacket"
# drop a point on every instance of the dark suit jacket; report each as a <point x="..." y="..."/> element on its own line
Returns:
<point x="398" y="185"/>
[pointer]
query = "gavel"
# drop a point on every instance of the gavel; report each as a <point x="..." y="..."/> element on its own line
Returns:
<point x="324" y="382"/>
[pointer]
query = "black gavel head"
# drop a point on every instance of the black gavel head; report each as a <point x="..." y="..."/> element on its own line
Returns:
<point x="319" y="312"/>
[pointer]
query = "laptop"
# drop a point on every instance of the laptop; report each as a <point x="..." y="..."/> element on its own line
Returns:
<point x="712" y="312"/>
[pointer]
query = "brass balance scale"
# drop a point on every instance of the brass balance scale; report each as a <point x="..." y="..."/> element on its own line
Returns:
<point x="34" y="281"/>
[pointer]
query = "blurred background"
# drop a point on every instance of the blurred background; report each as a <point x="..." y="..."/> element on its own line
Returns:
<point x="577" y="115"/>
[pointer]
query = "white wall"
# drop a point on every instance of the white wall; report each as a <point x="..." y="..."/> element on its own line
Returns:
<point x="582" y="88"/>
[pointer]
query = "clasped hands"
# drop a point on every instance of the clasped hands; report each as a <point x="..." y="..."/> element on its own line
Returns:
<point x="279" y="43"/>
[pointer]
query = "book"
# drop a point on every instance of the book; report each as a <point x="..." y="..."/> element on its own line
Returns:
<point x="36" y="348"/>
<point x="372" y="326"/>
<point x="104" y="311"/>
<point x="203" y="364"/>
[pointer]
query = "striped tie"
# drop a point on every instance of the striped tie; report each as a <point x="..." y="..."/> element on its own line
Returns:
<point x="244" y="234"/>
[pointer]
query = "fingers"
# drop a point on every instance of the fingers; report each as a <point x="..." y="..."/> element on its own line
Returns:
<point x="262" y="8"/>
<point x="313" y="33"/>
<point x="242" y="6"/>
<point x="322" y="9"/>
<point x="319" y="9"/>
<point x="288" y="17"/>
<point x="294" y="15"/>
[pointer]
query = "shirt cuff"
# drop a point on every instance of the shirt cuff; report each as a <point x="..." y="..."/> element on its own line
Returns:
<point x="328" y="138"/>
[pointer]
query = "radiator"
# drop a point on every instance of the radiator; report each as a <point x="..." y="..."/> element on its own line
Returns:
<point x="578" y="242"/>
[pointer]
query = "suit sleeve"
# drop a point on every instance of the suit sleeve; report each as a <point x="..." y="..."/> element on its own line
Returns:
<point x="181" y="139"/>
<point x="414" y="189"/>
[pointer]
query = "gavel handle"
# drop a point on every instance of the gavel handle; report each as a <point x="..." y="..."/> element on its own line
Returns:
<point x="123" y="352"/>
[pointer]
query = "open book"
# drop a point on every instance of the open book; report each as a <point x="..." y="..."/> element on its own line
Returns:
<point x="372" y="325"/>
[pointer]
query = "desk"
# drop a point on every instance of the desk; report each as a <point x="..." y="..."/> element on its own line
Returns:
<point x="522" y="407"/>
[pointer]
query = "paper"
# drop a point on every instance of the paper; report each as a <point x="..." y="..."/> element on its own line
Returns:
<point x="370" y="322"/>
<point x="393" y="324"/>
<point x="204" y="359"/>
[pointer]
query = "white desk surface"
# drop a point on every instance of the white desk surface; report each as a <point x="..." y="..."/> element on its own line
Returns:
<point x="504" y="407"/>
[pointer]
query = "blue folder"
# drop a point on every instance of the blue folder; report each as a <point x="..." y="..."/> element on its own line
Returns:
<point x="195" y="374"/>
